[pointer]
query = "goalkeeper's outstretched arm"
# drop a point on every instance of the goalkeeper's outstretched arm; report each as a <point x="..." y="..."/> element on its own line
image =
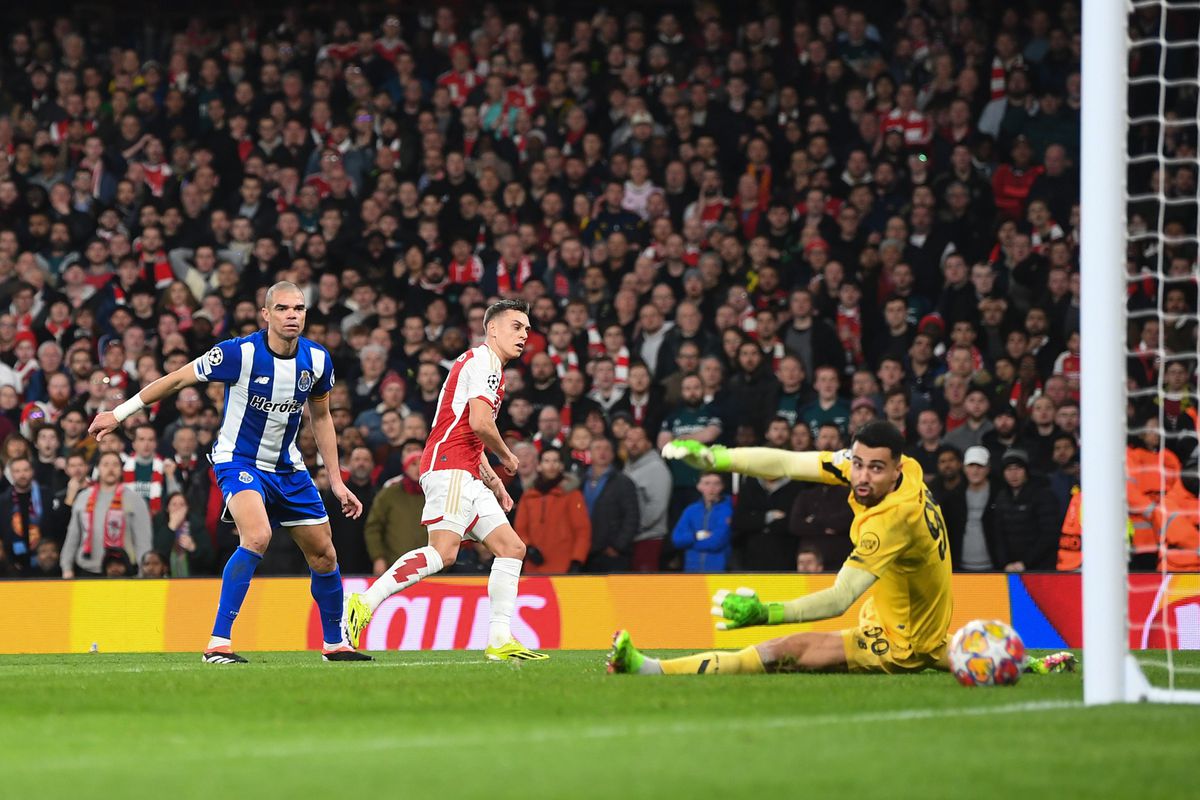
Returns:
<point x="743" y="608"/>
<point x="756" y="462"/>
<point x="851" y="584"/>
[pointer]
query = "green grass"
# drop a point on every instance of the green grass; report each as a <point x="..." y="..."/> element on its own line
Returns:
<point x="446" y="725"/>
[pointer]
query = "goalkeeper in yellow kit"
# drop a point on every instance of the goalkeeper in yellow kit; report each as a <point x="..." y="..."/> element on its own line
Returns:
<point x="900" y="548"/>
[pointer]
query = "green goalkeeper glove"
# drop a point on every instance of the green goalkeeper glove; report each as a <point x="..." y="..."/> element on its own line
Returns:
<point x="742" y="608"/>
<point x="697" y="455"/>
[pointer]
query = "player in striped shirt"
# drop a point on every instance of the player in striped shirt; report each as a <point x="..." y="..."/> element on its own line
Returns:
<point x="463" y="495"/>
<point x="268" y="377"/>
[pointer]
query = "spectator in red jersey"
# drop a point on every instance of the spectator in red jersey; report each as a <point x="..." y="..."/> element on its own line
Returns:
<point x="1013" y="182"/>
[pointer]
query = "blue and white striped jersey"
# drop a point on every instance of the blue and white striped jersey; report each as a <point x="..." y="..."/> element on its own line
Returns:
<point x="264" y="398"/>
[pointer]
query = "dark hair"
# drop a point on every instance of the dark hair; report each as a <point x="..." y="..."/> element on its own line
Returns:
<point x="949" y="448"/>
<point x="881" y="434"/>
<point x="811" y="550"/>
<point x="502" y="306"/>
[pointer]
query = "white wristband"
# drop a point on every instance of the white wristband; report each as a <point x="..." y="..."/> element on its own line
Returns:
<point x="129" y="408"/>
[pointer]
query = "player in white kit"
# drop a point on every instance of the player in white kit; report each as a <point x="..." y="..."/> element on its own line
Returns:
<point x="463" y="495"/>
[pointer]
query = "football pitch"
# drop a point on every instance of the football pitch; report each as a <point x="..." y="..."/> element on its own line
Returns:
<point x="448" y="725"/>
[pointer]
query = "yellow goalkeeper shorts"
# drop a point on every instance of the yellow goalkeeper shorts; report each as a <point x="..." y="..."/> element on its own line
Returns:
<point x="869" y="649"/>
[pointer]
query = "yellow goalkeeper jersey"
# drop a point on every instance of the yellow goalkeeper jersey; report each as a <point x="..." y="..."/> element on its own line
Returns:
<point x="902" y="542"/>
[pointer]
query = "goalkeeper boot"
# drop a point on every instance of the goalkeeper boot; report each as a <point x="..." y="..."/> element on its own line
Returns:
<point x="222" y="655"/>
<point x="623" y="658"/>
<point x="344" y="653"/>
<point x="512" y="650"/>
<point x="1055" y="662"/>
<point x="357" y="615"/>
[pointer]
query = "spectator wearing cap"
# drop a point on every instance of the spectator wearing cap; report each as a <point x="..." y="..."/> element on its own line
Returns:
<point x="393" y="525"/>
<point x="862" y="411"/>
<point x="1027" y="518"/>
<point x="975" y="547"/>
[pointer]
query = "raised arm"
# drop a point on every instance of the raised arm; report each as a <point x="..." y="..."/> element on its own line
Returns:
<point x="759" y="462"/>
<point x="108" y="421"/>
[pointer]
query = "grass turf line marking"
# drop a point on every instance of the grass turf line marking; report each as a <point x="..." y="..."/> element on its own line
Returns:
<point x="1182" y="670"/>
<point x="324" y="746"/>
<point x="100" y="669"/>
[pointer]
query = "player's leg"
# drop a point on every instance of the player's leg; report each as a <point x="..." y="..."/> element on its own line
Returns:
<point x="294" y="501"/>
<point x="499" y="537"/>
<point x="414" y="566"/>
<point x="246" y="506"/>
<point x="448" y="517"/>
<point x="316" y="542"/>
<point x="804" y="652"/>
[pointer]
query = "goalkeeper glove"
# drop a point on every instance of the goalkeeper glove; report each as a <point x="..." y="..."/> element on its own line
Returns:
<point x="697" y="455"/>
<point x="742" y="609"/>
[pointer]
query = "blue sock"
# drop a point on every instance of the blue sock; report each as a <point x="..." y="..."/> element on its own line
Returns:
<point x="235" y="581"/>
<point x="327" y="591"/>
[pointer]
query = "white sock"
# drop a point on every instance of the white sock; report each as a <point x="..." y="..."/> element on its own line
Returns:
<point x="650" y="666"/>
<point x="411" y="567"/>
<point x="218" y="641"/>
<point x="502" y="592"/>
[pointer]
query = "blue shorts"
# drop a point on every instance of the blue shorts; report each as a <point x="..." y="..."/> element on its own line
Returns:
<point x="291" y="498"/>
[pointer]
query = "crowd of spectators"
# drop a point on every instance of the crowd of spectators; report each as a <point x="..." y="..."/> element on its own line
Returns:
<point x="733" y="225"/>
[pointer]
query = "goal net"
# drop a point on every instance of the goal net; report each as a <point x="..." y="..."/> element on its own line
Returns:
<point x="1140" y="480"/>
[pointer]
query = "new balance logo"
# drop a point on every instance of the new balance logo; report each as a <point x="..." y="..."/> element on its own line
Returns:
<point x="263" y="379"/>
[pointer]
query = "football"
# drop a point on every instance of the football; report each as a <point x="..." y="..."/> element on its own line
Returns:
<point x="987" y="653"/>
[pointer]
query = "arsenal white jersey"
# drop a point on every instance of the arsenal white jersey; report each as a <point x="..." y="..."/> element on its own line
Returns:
<point x="452" y="444"/>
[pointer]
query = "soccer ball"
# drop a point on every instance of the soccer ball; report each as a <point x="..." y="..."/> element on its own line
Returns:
<point x="987" y="652"/>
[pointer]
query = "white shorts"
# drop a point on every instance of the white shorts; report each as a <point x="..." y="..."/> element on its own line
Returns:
<point x="455" y="500"/>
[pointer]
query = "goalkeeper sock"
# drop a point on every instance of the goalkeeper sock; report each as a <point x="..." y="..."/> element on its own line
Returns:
<point x="327" y="591"/>
<point x="502" y="594"/>
<point x="235" y="582"/>
<point x="413" y="566"/>
<point x="746" y="661"/>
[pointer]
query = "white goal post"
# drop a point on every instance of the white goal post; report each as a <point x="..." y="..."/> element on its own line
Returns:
<point x="1110" y="673"/>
